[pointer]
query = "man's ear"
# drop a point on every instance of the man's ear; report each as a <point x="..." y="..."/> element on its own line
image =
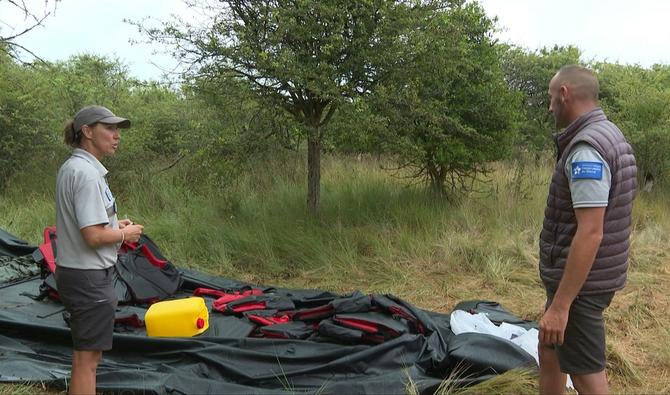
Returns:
<point x="565" y="93"/>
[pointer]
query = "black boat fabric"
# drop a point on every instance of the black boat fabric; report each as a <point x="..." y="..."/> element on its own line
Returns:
<point x="374" y="323"/>
<point x="359" y="344"/>
<point x="11" y="245"/>
<point x="144" y="281"/>
<point x="16" y="268"/>
<point x="142" y="274"/>
<point x="288" y="330"/>
<point x="494" y="312"/>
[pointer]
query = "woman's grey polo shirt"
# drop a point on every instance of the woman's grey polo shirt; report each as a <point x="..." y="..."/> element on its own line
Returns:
<point x="83" y="199"/>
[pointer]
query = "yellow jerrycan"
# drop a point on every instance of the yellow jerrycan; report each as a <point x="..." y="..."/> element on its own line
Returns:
<point x="177" y="318"/>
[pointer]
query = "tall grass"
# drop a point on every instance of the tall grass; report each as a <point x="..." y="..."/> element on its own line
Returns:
<point x="377" y="234"/>
<point x="27" y="389"/>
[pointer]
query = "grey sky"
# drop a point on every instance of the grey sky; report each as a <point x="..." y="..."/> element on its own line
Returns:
<point x="612" y="30"/>
<point x="624" y="31"/>
<point x="95" y="26"/>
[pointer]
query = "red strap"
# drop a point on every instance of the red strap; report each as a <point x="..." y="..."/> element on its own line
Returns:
<point x="48" y="254"/>
<point x="208" y="291"/>
<point x="128" y="246"/>
<point x="259" y="319"/>
<point x="47" y="249"/>
<point x="317" y="312"/>
<point x="246" y="307"/>
<point x="268" y="320"/>
<point x="281" y="319"/>
<point x="221" y="303"/>
<point x="47" y="233"/>
<point x="160" y="263"/>
<point x="409" y="317"/>
<point x="358" y="324"/>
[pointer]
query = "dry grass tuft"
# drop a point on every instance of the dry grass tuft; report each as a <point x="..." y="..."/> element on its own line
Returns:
<point x="512" y="382"/>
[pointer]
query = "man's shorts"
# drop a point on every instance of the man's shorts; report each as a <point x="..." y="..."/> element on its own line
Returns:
<point x="89" y="297"/>
<point x="583" y="348"/>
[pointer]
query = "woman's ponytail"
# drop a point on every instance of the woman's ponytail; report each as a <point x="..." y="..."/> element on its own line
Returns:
<point x="70" y="136"/>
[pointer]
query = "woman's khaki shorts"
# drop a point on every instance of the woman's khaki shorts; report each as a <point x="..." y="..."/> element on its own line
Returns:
<point x="88" y="295"/>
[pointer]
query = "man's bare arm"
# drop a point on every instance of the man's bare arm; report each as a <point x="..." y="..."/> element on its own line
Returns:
<point x="583" y="250"/>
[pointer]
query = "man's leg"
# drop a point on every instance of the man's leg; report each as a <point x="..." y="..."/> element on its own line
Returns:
<point x="84" y="367"/>
<point x="583" y="351"/>
<point x="594" y="383"/>
<point x="552" y="380"/>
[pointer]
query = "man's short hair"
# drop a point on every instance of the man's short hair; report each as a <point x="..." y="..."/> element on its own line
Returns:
<point x="582" y="81"/>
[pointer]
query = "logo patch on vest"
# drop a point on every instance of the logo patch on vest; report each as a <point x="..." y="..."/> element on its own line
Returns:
<point x="587" y="170"/>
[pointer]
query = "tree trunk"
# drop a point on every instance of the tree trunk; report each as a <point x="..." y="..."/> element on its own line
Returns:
<point x="313" y="170"/>
<point x="437" y="186"/>
<point x="437" y="178"/>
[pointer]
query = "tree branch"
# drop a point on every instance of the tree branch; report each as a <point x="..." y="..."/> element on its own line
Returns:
<point x="11" y="44"/>
<point x="38" y="23"/>
<point x="173" y="164"/>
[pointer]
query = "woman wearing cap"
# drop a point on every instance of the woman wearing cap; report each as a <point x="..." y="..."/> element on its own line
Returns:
<point x="89" y="235"/>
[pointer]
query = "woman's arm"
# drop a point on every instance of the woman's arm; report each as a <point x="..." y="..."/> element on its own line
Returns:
<point x="97" y="236"/>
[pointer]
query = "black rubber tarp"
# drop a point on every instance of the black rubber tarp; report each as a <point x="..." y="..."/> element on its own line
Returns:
<point x="11" y="245"/>
<point x="35" y="346"/>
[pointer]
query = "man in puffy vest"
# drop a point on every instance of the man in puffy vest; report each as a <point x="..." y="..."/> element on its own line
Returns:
<point x="584" y="241"/>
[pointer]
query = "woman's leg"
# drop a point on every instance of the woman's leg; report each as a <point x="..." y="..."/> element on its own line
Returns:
<point x="84" y="366"/>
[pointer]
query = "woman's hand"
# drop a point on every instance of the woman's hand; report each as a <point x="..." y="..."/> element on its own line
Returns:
<point x="132" y="232"/>
<point x="124" y="222"/>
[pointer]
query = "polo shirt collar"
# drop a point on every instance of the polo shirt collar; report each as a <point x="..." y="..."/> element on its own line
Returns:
<point x="87" y="156"/>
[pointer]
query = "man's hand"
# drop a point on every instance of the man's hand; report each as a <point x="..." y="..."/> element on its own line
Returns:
<point x="552" y="326"/>
<point x="124" y="222"/>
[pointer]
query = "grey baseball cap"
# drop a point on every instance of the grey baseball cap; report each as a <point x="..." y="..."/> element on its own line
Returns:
<point x="92" y="114"/>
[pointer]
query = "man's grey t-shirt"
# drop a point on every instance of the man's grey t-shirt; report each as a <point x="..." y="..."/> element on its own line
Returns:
<point x="83" y="199"/>
<point x="589" y="177"/>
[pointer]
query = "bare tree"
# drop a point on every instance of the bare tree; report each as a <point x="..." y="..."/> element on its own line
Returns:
<point x="29" y="17"/>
